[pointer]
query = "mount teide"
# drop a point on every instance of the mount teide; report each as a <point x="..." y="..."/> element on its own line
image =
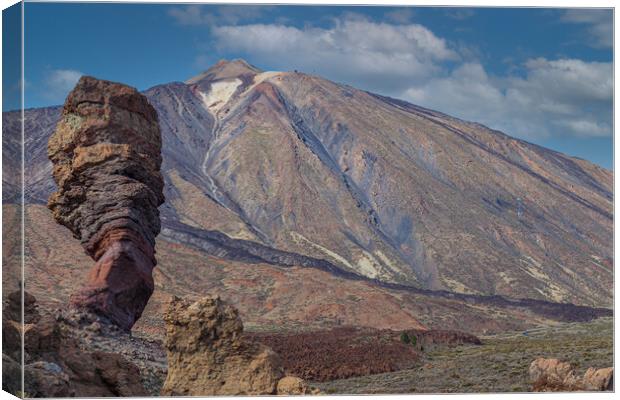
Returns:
<point x="289" y="169"/>
<point x="384" y="189"/>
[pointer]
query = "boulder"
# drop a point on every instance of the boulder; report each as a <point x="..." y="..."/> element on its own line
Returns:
<point x="47" y="379"/>
<point x="12" y="325"/>
<point x="292" y="386"/>
<point x="553" y="375"/>
<point x="12" y="307"/>
<point x="207" y="355"/>
<point x="106" y="156"/>
<point x="599" y="379"/>
<point x="102" y="374"/>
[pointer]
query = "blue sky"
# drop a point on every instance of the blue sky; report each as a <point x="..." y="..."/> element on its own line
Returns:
<point x="544" y="75"/>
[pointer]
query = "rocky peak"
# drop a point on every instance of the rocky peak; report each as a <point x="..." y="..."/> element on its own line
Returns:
<point x="225" y="69"/>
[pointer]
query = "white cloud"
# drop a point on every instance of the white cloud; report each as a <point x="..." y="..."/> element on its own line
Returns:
<point x="540" y="98"/>
<point x="59" y="82"/>
<point x="353" y="50"/>
<point x="599" y="24"/>
<point x="555" y="97"/>
<point x="189" y="15"/>
<point x="401" y="15"/>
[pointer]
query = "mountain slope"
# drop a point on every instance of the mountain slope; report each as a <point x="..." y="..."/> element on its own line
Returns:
<point x="371" y="186"/>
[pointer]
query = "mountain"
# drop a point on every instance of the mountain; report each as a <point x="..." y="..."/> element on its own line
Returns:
<point x="382" y="188"/>
<point x="293" y="172"/>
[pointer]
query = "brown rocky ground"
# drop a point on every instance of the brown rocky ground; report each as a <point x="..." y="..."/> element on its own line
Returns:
<point x="340" y="353"/>
<point x="69" y="353"/>
<point x="500" y="364"/>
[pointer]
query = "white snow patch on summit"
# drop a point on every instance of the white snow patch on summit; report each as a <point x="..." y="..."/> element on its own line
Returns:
<point x="219" y="94"/>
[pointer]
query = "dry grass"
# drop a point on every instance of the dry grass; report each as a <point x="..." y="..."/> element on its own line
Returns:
<point x="499" y="365"/>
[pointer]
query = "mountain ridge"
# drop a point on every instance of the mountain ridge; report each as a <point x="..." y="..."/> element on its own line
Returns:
<point x="286" y="160"/>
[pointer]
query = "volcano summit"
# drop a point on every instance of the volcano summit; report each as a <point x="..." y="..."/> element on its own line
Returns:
<point x="304" y="201"/>
<point x="385" y="189"/>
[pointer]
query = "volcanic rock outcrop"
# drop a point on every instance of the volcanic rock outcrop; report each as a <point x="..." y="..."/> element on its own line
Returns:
<point x="55" y="362"/>
<point x="208" y="356"/>
<point x="106" y="156"/>
<point x="553" y="375"/>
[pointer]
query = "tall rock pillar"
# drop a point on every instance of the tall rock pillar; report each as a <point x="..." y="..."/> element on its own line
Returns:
<point x="106" y="153"/>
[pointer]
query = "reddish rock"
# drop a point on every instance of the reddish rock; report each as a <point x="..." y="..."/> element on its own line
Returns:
<point x="121" y="282"/>
<point x="106" y="153"/>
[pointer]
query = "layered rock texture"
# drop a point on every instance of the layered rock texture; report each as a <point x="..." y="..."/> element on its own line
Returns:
<point x="553" y="375"/>
<point x="106" y="153"/>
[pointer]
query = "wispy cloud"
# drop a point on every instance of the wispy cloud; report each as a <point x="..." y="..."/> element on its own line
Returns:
<point x="555" y="98"/>
<point x="598" y="22"/>
<point x="220" y="15"/>
<point x="460" y="13"/>
<point x="59" y="82"/>
<point x="400" y="15"/>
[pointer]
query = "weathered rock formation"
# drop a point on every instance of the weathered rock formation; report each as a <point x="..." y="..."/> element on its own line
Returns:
<point x="106" y="154"/>
<point x="208" y="356"/>
<point x="598" y="379"/>
<point x="55" y="364"/>
<point x="553" y="375"/>
<point x="294" y="386"/>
